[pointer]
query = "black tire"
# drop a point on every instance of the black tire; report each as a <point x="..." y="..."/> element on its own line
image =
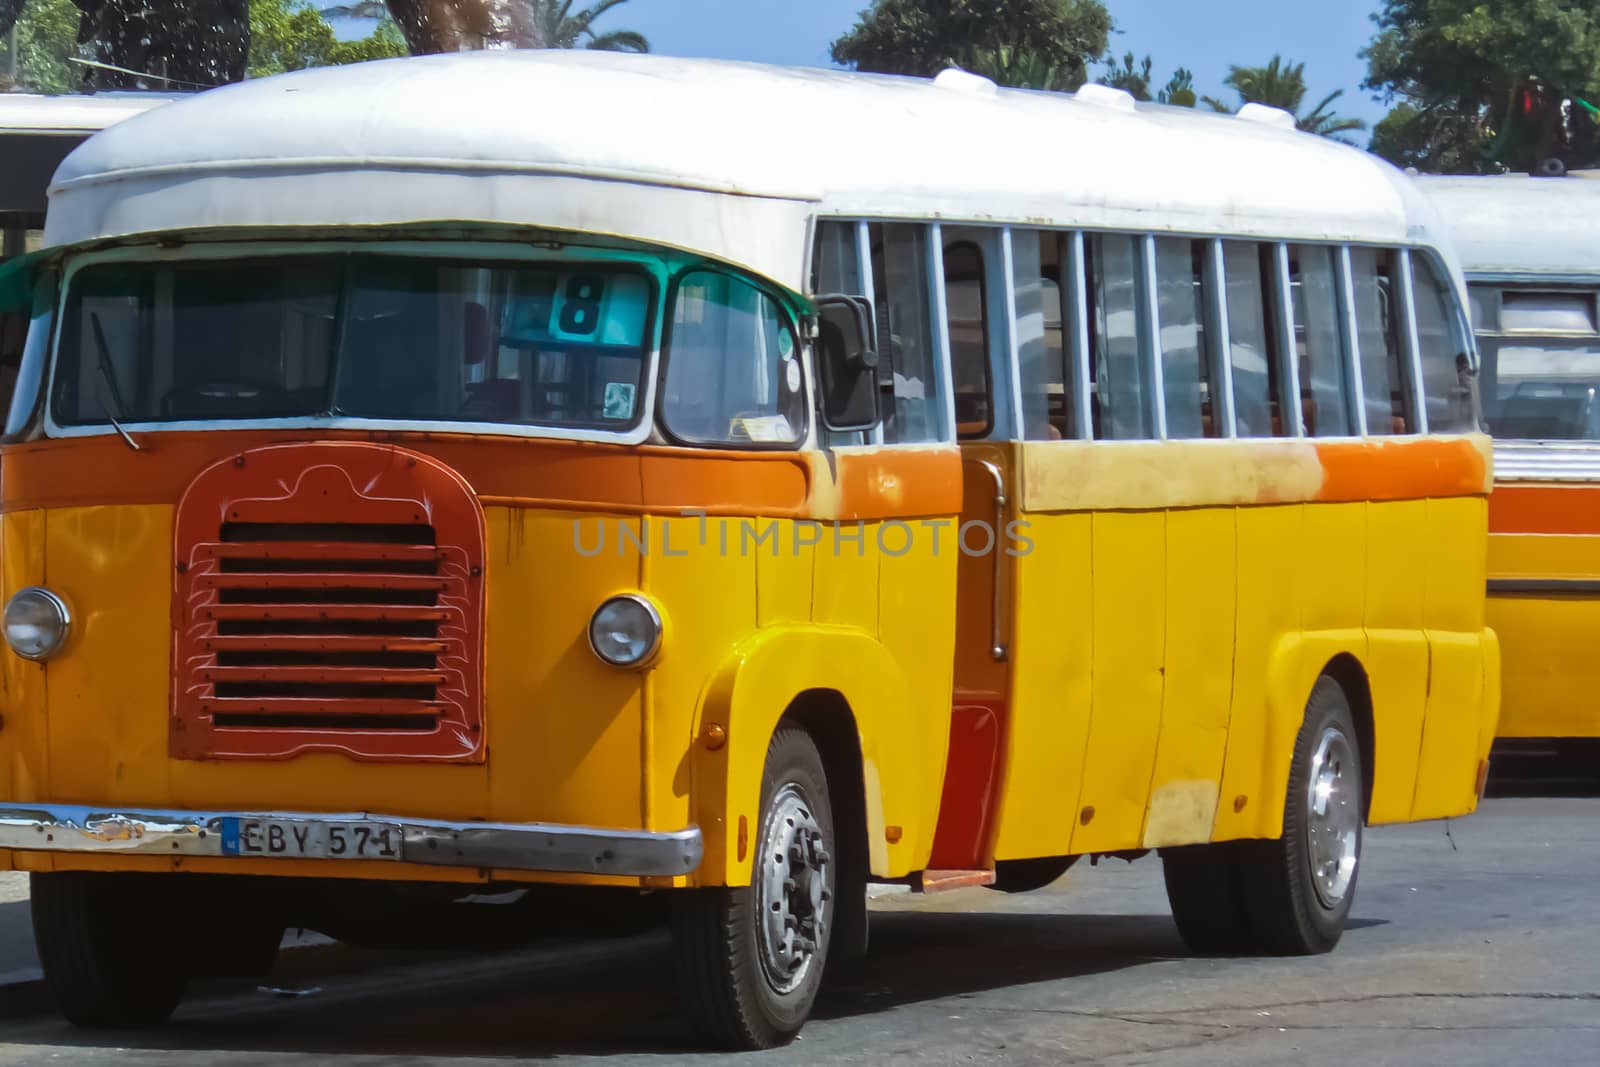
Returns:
<point x="1289" y="914"/>
<point x="238" y="923"/>
<point x="103" y="943"/>
<point x="724" y="973"/>
<point x="1024" y="876"/>
<point x="1207" y="898"/>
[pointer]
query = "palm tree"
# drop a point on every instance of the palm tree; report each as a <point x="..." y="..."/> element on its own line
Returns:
<point x="1282" y="84"/>
<point x="453" y="25"/>
<point x="559" y="27"/>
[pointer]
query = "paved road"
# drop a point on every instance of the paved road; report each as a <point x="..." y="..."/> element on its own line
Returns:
<point x="1472" y="944"/>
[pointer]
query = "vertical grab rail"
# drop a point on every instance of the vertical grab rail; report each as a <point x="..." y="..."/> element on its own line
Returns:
<point x="997" y="631"/>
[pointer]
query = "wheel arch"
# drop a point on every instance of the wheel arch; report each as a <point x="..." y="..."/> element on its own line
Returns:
<point x="826" y="716"/>
<point x="851" y="696"/>
<point x="1351" y="677"/>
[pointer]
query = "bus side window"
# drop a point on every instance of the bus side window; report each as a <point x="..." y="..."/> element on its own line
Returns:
<point x="1383" y="383"/>
<point x="1324" y="391"/>
<point x="1038" y="318"/>
<point x="912" y="408"/>
<point x="1446" y="366"/>
<point x="836" y="269"/>
<point x="966" y="301"/>
<point x="1248" y="277"/>
<point x="1116" y="367"/>
<point x="1180" y="303"/>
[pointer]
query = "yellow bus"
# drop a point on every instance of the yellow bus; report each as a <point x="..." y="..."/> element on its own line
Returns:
<point x="583" y="473"/>
<point x="1528" y="247"/>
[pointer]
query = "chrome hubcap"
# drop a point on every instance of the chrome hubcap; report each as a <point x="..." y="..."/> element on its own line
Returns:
<point x="1333" y="817"/>
<point x="794" y="886"/>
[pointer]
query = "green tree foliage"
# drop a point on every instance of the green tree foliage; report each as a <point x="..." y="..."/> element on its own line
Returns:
<point x="1479" y="86"/>
<point x="1136" y="79"/>
<point x="1179" y="90"/>
<point x="292" y="35"/>
<point x="1040" y="44"/>
<point x="1130" y="78"/>
<point x="1282" y="84"/>
<point x="47" y="37"/>
<point x="559" y="26"/>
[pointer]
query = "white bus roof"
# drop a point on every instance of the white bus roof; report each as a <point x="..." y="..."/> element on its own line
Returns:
<point x="632" y="145"/>
<point x="1516" y="226"/>
<point x="75" y="113"/>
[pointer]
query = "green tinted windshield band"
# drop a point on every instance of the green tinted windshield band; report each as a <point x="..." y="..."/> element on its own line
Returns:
<point x="16" y="281"/>
<point x="543" y="343"/>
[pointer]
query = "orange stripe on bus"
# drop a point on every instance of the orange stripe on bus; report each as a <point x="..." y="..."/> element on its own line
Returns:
<point x="1545" y="509"/>
<point x="1403" y="468"/>
<point x="517" y="472"/>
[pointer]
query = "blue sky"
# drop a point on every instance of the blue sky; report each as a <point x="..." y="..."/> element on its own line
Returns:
<point x="1205" y="37"/>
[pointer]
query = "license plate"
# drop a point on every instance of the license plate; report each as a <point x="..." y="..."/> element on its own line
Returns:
<point x="293" y="839"/>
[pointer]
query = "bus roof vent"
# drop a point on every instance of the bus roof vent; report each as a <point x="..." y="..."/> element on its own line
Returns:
<point x="1268" y="116"/>
<point x="964" y="81"/>
<point x="1105" y="96"/>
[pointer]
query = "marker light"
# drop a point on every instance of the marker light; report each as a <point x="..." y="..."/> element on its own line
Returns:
<point x="625" y="630"/>
<point x="37" y="622"/>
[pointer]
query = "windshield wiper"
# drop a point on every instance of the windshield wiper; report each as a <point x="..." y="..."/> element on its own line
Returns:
<point x="108" y="372"/>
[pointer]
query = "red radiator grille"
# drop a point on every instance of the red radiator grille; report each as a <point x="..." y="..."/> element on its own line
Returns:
<point x="329" y="616"/>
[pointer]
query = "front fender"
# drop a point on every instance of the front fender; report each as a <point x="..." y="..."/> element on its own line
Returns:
<point x="902" y="752"/>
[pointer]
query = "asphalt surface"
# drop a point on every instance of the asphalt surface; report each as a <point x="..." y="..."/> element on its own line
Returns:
<point x="1473" y="942"/>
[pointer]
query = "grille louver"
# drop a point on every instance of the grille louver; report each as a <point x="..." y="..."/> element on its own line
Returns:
<point x="329" y="616"/>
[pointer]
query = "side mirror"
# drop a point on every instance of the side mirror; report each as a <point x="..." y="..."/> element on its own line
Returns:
<point x="847" y="363"/>
<point x="475" y="340"/>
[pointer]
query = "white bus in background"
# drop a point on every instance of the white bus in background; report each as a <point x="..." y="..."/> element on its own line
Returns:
<point x="1530" y="248"/>
<point x="36" y="133"/>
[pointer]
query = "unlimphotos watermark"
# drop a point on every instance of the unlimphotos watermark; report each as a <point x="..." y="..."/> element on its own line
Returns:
<point x="743" y="536"/>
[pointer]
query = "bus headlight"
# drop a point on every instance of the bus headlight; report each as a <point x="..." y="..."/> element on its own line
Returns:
<point x="625" y="630"/>
<point x="37" y="622"/>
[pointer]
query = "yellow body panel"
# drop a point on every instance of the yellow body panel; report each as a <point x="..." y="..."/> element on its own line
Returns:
<point x="1397" y="650"/>
<point x="1268" y="607"/>
<point x="1196" y="635"/>
<point x="1465" y="669"/>
<point x="1551" y="671"/>
<point x="1052" y="656"/>
<point x="24" y="741"/>
<point x="1199" y="677"/>
<point x="1129" y="608"/>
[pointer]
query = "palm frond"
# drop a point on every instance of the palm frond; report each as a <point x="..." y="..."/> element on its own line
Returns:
<point x="619" y="41"/>
<point x="600" y="7"/>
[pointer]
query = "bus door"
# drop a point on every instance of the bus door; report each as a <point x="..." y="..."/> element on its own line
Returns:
<point x="977" y="323"/>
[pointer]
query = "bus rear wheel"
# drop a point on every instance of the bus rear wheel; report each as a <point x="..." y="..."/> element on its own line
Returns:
<point x="1207" y="898"/>
<point x="102" y="940"/>
<point x="1298" y="889"/>
<point x="750" y="959"/>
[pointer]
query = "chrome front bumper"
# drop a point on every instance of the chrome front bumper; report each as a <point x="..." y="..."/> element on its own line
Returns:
<point x="505" y="846"/>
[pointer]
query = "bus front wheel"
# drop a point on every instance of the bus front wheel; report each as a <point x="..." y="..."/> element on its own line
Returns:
<point x="750" y="959"/>
<point x="102" y="941"/>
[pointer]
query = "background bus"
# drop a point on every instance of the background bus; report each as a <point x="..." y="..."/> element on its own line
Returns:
<point x="36" y="133"/>
<point x="1530" y="248"/>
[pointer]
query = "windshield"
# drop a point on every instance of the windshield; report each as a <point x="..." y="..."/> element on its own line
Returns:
<point x="379" y="337"/>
